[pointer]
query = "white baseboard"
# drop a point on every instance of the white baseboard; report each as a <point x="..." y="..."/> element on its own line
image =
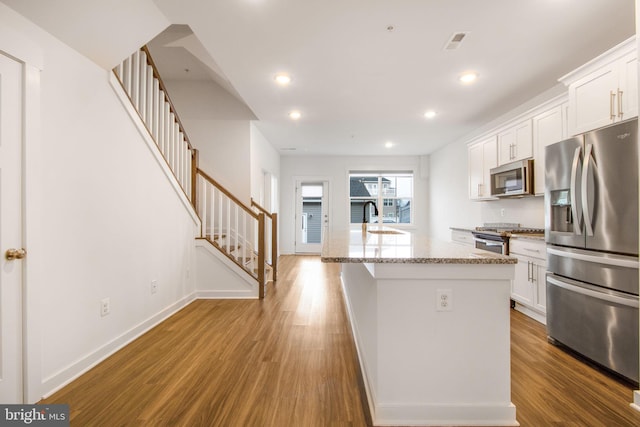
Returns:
<point x="217" y="294"/>
<point x="445" y="415"/>
<point x="636" y="400"/>
<point x="66" y="375"/>
<point x="541" y="318"/>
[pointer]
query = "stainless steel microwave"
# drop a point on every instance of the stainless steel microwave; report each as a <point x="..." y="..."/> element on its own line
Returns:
<point x="512" y="179"/>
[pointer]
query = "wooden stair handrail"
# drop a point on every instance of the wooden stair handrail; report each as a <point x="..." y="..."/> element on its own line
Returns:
<point x="227" y="193"/>
<point x="260" y="208"/>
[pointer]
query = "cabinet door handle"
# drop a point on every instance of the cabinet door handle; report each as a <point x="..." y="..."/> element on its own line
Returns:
<point x="479" y="190"/>
<point x="612" y="113"/>
<point x="620" y="113"/>
<point x="528" y="271"/>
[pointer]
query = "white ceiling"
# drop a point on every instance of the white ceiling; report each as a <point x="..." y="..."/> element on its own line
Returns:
<point x="359" y="85"/>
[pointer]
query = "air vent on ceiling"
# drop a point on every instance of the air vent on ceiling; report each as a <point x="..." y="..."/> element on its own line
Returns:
<point x="455" y="41"/>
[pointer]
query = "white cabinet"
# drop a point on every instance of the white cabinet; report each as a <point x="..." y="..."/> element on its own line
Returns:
<point x="529" y="285"/>
<point x="548" y="127"/>
<point x="462" y="237"/>
<point x="605" y="90"/>
<point x="482" y="156"/>
<point x="515" y="143"/>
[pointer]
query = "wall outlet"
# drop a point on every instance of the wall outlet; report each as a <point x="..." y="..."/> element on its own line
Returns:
<point x="105" y="307"/>
<point x="154" y="286"/>
<point x="444" y="300"/>
<point x="502" y="211"/>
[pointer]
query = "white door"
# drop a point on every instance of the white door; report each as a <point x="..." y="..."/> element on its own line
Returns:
<point x="10" y="230"/>
<point x="312" y="215"/>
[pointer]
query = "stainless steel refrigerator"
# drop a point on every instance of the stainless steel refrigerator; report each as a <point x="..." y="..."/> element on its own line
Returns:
<point x="591" y="229"/>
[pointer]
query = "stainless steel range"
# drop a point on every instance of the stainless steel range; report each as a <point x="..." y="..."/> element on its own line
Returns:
<point x="494" y="237"/>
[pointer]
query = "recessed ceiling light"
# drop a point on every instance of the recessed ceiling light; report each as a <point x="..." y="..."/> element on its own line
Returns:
<point x="388" y="144"/>
<point x="430" y="114"/>
<point x="295" y="115"/>
<point x="283" y="79"/>
<point x="469" y="77"/>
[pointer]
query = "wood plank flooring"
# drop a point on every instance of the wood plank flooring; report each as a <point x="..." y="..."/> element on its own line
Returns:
<point x="289" y="360"/>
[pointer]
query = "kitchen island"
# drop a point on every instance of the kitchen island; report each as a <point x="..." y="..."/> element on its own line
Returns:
<point x="431" y="324"/>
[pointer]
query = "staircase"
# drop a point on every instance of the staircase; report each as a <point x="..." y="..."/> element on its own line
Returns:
<point x="245" y="235"/>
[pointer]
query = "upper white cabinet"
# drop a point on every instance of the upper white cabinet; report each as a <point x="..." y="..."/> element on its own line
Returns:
<point x="548" y="127"/>
<point x="605" y="90"/>
<point x="482" y="157"/>
<point x="515" y="143"/>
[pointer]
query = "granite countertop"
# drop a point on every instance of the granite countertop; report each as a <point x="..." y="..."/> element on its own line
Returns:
<point x="401" y="247"/>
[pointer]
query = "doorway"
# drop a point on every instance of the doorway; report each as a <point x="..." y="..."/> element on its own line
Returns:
<point x="11" y="232"/>
<point x="312" y="215"/>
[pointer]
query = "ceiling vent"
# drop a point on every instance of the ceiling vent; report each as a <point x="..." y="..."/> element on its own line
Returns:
<point x="455" y="41"/>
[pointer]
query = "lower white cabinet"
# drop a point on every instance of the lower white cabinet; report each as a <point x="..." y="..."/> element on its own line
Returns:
<point x="463" y="237"/>
<point x="528" y="288"/>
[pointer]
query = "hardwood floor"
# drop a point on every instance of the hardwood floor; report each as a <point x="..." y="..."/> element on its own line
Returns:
<point x="289" y="360"/>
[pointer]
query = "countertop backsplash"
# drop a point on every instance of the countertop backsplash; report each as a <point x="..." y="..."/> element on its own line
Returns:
<point x="527" y="211"/>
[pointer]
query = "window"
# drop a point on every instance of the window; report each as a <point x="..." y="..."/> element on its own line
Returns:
<point x="392" y="193"/>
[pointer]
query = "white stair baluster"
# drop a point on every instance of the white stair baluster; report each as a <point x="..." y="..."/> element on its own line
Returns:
<point x="157" y="111"/>
<point x="203" y="207"/>
<point x="228" y="223"/>
<point x="126" y="76"/>
<point x="150" y="99"/>
<point x="135" y="79"/>
<point x="213" y="208"/>
<point x="167" y="128"/>
<point x="142" y="86"/>
<point x="220" y="230"/>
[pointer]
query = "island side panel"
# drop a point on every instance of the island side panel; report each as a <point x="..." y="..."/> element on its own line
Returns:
<point x="361" y="299"/>
<point x="434" y="367"/>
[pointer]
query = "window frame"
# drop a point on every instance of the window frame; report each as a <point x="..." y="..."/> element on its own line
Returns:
<point x="381" y="196"/>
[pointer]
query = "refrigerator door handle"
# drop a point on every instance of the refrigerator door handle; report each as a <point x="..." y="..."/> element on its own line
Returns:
<point x="616" y="262"/>
<point x="575" y="208"/>
<point x="629" y="301"/>
<point x="588" y="160"/>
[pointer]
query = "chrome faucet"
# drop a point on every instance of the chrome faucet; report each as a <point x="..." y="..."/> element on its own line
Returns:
<point x="364" y="210"/>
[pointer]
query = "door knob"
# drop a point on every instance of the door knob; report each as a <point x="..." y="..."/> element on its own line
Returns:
<point x="12" y="254"/>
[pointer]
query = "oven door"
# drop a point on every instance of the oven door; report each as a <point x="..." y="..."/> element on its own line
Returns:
<point x="490" y="245"/>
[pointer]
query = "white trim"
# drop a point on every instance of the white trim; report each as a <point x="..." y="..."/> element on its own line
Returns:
<point x="32" y="229"/>
<point x="217" y="294"/>
<point x="326" y="198"/>
<point x="636" y="400"/>
<point x="144" y="132"/>
<point x="618" y="51"/>
<point x="31" y="56"/>
<point x="527" y="311"/>
<point x="20" y="47"/>
<point x="68" y="374"/>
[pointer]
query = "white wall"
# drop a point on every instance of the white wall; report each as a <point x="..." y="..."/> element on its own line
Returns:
<point x="336" y="169"/>
<point x="264" y="158"/>
<point x="108" y="222"/>
<point x="218" y="125"/>
<point x="449" y="198"/>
